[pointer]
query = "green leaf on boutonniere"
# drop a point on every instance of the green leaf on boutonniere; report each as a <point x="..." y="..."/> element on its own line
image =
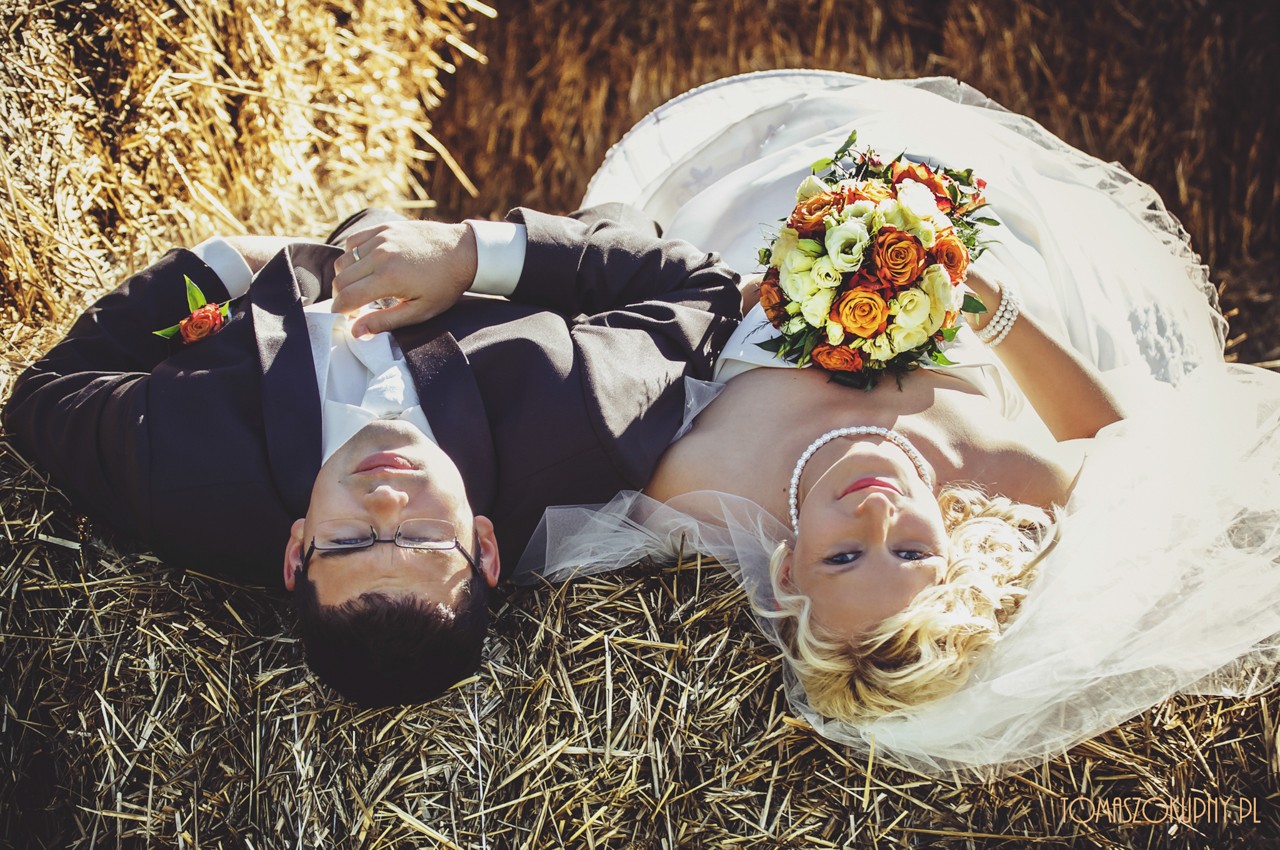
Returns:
<point x="167" y="333"/>
<point x="195" y="298"/>
<point x="972" y="305"/>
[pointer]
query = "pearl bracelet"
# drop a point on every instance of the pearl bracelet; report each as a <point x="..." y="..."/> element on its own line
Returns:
<point x="1002" y="322"/>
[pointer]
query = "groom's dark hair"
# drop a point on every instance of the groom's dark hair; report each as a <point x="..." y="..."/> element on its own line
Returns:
<point x="378" y="650"/>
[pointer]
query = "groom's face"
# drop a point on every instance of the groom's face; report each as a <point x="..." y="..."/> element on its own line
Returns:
<point x="389" y="472"/>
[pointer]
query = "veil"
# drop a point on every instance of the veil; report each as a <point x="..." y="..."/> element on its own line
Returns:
<point x="1165" y="577"/>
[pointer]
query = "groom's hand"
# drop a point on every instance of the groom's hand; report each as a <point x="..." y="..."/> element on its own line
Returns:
<point x="424" y="265"/>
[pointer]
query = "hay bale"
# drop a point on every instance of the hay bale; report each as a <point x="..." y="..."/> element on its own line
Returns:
<point x="131" y="127"/>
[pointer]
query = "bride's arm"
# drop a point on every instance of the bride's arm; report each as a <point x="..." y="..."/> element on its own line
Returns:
<point x="1065" y="390"/>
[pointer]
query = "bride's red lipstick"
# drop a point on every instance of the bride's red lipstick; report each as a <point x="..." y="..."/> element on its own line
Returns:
<point x="384" y="461"/>
<point x="864" y="483"/>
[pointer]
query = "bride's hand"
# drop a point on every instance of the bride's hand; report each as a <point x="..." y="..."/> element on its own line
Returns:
<point x="422" y="266"/>
<point x="986" y="291"/>
<point x="750" y="289"/>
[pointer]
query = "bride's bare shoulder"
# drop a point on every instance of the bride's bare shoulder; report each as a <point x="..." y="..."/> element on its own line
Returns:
<point x="1040" y="475"/>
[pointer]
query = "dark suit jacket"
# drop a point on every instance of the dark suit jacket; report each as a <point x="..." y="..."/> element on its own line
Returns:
<point x="567" y="393"/>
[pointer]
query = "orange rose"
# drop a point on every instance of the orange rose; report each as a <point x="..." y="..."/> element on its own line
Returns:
<point x="203" y="321"/>
<point x="836" y="358"/>
<point x="772" y="301"/>
<point x="899" y="257"/>
<point x="950" y="252"/>
<point x="874" y="191"/>
<point x="865" y="278"/>
<point x="808" y="214"/>
<point x="861" y="312"/>
<point x="921" y="173"/>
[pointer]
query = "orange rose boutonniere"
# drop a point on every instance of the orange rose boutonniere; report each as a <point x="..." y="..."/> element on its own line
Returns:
<point x="206" y="319"/>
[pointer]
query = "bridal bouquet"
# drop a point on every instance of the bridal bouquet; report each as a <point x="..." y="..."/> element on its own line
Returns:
<point x="864" y="278"/>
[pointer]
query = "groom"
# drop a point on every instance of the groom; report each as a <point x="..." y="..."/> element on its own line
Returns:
<point x="398" y="472"/>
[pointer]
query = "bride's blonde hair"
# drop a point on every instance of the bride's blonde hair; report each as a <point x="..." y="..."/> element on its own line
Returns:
<point x="927" y="650"/>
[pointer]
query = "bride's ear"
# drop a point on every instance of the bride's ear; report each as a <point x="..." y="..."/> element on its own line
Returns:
<point x="782" y="559"/>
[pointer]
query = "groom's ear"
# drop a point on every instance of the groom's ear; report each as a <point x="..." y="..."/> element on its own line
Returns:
<point x="293" y="554"/>
<point x="487" y="551"/>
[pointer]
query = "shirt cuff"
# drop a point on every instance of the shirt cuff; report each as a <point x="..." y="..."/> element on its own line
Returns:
<point x="226" y="263"/>
<point x="500" y="249"/>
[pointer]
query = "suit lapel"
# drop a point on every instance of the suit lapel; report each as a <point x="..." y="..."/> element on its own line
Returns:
<point x="453" y="405"/>
<point x="290" y="397"/>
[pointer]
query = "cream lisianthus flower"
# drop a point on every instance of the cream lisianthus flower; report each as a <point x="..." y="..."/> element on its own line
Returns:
<point x="817" y="307"/>
<point x="925" y="232"/>
<point x="936" y="283"/>
<point x="911" y="306"/>
<point x="825" y="273"/>
<point x="809" y="187"/>
<point x="905" y="339"/>
<point x="794" y="325"/>
<point x="835" y="332"/>
<point x="795" y="275"/>
<point x="810" y="247"/>
<point x="783" y="245"/>
<point x="846" y="243"/>
<point x="859" y="211"/>
<point x="880" y="347"/>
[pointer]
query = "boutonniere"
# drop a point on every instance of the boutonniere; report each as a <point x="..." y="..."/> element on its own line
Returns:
<point x="206" y="318"/>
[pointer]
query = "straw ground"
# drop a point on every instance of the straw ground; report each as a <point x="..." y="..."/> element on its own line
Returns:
<point x="148" y="707"/>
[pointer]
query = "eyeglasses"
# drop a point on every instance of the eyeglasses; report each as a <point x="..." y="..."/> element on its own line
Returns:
<point x="352" y="535"/>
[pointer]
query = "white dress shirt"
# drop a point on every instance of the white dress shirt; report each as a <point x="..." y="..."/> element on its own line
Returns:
<point x="365" y="379"/>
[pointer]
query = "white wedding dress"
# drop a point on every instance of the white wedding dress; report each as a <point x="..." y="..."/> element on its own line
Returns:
<point x="1166" y="576"/>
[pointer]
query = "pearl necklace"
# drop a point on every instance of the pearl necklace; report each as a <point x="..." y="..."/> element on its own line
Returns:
<point x="854" y="431"/>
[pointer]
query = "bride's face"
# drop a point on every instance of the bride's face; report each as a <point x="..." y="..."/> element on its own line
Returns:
<point x="870" y="538"/>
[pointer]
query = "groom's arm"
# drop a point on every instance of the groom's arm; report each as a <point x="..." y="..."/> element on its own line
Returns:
<point x="81" y="410"/>
<point x="601" y="260"/>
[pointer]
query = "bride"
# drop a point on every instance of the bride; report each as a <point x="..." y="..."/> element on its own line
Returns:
<point x="983" y="565"/>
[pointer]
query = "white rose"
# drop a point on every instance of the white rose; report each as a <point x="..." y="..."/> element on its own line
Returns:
<point x="817" y="307"/>
<point x="825" y="274"/>
<point x="809" y="187"/>
<point x="879" y="347"/>
<point x="783" y="245"/>
<point x="835" y="333"/>
<point x="905" y="339"/>
<point x="794" y="325"/>
<point x="846" y="243"/>
<point x="918" y="200"/>
<point x="911" y="306"/>
<point x="936" y="283"/>
<point x="894" y="214"/>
